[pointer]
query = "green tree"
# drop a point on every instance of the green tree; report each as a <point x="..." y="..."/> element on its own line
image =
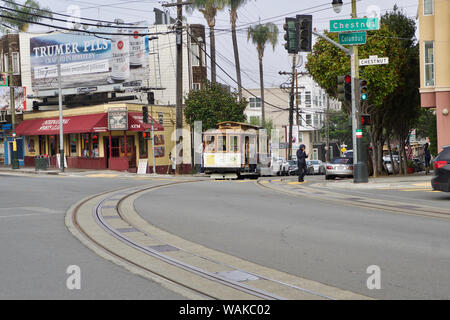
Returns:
<point x="213" y="104"/>
<point x="260" y="35"/>
<point x="340" y="128"/>
<point x="234" y="6"/>
<point x="209" y="9"/>
<point x="29" y="11"/>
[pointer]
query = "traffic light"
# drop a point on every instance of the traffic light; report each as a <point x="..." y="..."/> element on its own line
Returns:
<point x="291" y="38"/>
<point x="145" y="114"/>
<point x="146" y="135"/>
<point x="151" y="97"/>
<point x="304" y="33"/>
<point x="348" y="87"/>
<point x="364" y="93"/>
<point x="366" y="120"/>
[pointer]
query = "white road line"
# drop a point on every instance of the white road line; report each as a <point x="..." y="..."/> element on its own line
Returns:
<point x="30" y="214"/>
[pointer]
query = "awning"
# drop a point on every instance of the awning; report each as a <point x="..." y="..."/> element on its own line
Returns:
<point x="136" y="123"/>
<point x="97" y="122"/>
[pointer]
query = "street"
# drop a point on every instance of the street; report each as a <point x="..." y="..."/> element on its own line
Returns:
<point x="323" y="241"/>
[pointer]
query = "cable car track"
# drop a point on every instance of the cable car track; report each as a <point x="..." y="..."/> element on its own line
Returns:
<point x="118" y="197"/>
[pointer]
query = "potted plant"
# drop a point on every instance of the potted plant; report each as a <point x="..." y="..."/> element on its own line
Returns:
<point x="410" y="166"/>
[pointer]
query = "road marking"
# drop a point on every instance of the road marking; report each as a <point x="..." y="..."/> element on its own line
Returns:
<point x="296" y="182"/>
<point x="29" y="214"/>
<point x="414" y="189"/>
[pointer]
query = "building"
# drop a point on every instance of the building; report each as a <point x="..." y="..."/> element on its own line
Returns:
<point x="434" y="40"/>
<point x="88" y="143"/>
<point x="312" y="103"/>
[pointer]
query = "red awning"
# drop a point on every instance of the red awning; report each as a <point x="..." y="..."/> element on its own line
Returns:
<point x="97" y="122"/>
<point x="135" y="123"/>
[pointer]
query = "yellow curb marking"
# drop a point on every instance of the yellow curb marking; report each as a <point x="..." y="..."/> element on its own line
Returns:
<point x="100" y="175"/>
<point x="295" y="182"/>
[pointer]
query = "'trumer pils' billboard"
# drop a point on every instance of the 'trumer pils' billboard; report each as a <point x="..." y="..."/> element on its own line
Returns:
<point x="90" y="61"/>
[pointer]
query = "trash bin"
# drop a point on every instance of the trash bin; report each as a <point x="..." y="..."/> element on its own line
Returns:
<point x="40" y="163"/>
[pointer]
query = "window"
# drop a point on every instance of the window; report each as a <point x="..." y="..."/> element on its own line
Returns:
<point x="308" y="120"/>
<point x="428" y="7"/>
<point x="222" y="143"/>
<point x="234" y="143"/>
<point x="299" y="98"/>
<point x="308" y="98"/>
<point x="195" y="86"/>
<point x="300" y="137"/>
<point x="15" y="63"/>
<point x="255" y="102"/>
<point x="195" y="55"/>
<point x="210" y="144"/>
<point x="316" y="120"/>
<point x="6" y="60"/>
<point x="429" y="63"/>
<point x="73" y="144"/>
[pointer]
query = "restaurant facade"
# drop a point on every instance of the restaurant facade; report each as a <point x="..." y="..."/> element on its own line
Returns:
<point x="107" y="136"/>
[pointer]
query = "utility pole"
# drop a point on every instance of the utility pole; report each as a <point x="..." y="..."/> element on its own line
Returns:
<point x="179" y="84"/>
<point x="61" y="132"/>
<point x="291" y="105"/>
<point x="328" y="129"/>
<point x="14" y="160"/>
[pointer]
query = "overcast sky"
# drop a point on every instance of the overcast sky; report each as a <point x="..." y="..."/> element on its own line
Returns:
<point x="254" y="11"/>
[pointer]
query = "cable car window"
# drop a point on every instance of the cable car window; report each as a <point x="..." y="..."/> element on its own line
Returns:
<point x="210" y="144"/>
<point x="234" y="143"/>
<point x="222" y="143"/>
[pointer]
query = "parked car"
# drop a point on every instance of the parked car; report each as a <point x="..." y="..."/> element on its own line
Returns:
<point x="280" y="167"/>
<point x="339" y="167"/>
<point x="293" y="167"/>
<point x="316" y="167"/>
<point x="441" y="179"/>
<point x="387" y="164"/>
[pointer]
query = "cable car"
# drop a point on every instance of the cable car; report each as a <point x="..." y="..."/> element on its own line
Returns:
<point x="235" y="149"/>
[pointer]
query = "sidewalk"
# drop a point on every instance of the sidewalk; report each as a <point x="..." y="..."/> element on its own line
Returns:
<point x="88" y="173"/>
<point x="384" y="182"/>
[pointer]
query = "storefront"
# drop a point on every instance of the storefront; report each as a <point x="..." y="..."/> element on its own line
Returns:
<point x="88" y="142"/>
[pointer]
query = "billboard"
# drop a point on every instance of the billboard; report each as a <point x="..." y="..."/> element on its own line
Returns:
<point x="90" y="62"/>
<point x="20" y="101"/>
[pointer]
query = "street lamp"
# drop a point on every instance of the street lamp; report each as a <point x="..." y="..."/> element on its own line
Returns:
<point x="337" y="5"/>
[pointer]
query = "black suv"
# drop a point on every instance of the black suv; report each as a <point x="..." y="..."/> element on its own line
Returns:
<point x="441" y="180"/>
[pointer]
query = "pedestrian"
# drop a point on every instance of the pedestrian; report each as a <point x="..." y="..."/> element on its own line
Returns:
<point x="301" y="162"/>
<point x="427" y="156"/>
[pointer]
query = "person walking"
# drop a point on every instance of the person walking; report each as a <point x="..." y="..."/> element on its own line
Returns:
<point x="301" y="162"/>
<point x="427" y="156"/>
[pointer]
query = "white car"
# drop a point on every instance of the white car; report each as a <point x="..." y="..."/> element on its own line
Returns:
<point x="280" y="167"/>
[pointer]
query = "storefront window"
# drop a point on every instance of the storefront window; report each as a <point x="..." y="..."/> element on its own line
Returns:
<point x="95" y="150"/>
<point x="85" y="145"/>
<point x="73" y="144"/>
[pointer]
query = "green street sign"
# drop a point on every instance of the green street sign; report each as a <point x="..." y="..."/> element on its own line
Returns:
<point x="353" y="38"/>
<point x="347" y="25"/>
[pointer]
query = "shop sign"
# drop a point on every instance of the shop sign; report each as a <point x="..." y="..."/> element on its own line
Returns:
<point x="117" y="119"/>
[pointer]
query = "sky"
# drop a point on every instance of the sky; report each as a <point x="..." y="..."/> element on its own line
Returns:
<point x="252" y="13"/>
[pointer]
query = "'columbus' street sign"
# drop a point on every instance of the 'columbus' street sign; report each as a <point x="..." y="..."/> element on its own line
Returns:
<point x="352" y="38"/>
<point x="346" y="25"/>
<point x="373" y="60"/>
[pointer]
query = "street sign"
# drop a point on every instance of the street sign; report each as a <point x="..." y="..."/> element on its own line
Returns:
<point x="373" y="60"/>
<point x="353" y="38"/>
<point x="361" y="24"/>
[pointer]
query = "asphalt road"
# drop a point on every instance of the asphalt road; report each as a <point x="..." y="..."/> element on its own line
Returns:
<point x="36" y="248"/>
<point x="321" y="241"/>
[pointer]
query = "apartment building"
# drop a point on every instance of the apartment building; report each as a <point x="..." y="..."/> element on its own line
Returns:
<point x="434" y="39"/>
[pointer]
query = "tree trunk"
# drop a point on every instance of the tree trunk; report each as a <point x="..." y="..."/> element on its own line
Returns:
<point x="261" y="81"/>
<point x="212" y="45"/>
<point x="390" y="156"/>
<point x="236" y="53"/>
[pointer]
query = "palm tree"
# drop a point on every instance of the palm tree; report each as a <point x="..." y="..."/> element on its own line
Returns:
<point x="209" y="9"/>
<point x="234" y="6"/>
<point x="260" y="35"/>
<point x="29" y="11"/>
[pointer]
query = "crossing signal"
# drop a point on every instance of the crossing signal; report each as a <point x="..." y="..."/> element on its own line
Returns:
<point x="366" y="120"/>
<point x="304" y="23"/>
<point x="151" y="97"/>
<point x="291" y="35"/>
<point x="145" y="114"/>
<point x="146" y="135"/>
<point x="363" y="90"/>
